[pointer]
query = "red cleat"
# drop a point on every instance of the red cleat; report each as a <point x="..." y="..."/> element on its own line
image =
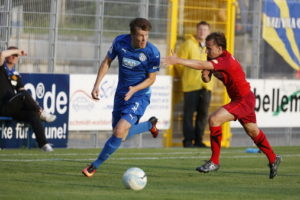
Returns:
<point x="89" y="171"/>
<point x="154" y="131"/>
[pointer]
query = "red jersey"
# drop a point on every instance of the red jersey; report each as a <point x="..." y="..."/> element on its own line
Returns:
<point x="230" y="72"/>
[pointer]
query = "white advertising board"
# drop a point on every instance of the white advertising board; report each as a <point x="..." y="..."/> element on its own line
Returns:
<point x="88" y="114"/>
<point x="277" y="103"/>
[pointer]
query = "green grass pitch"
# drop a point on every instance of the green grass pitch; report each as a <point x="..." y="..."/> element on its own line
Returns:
<point x="32" y="174"/>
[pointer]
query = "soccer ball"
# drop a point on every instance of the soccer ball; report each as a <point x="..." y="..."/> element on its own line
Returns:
<point x="134" y="178"/>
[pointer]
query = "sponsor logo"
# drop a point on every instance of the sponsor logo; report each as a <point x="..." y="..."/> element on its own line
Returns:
<point x="280" y="22"/>
<point x="142" y="57"/>
<point x="40" y="90"/>
<point x="277" y="102"/>
<point x="53" y="100"/>
<point x="82" y="103"/>
<point x="131" y="116"/>
<point x="130" y="63"/>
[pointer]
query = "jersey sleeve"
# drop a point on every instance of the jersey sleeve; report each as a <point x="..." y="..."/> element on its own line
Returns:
<point x="154" y="62"/>
<point x="218" y="63"/>
<point x="112" y="52"/>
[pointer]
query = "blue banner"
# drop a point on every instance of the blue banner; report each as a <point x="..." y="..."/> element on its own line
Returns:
<point x="51" y="91"/>
<point x="281" y="29"/>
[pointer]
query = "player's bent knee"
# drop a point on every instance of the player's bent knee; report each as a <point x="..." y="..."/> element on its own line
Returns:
<point x="119" y="132"/>
<point x="253" y="133"/>
<point x="213" y="121"/>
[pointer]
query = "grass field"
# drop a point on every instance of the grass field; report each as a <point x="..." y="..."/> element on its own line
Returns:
<point x="32" y="174"/>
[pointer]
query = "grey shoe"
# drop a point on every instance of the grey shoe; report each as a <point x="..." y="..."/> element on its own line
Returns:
<point x="47" y="117"/>
<point x="209" y="166"/>
<point x="47" y="148"/>
<point x="274" y="166"/>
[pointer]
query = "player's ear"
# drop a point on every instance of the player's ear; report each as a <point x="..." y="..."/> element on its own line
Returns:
<point x="220" y="48"/>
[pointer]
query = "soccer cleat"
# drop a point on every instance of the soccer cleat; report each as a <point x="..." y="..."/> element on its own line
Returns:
<point x="47" y="116"/>
<point x="47" y="148"/>
<point x="209" y="166"/>
<point x="89" y="171"/>
<point x="274" y="166"/>
<point x="153" y="130"/>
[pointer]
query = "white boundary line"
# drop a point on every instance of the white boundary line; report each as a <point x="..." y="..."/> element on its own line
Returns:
<point x="139" y="158"/>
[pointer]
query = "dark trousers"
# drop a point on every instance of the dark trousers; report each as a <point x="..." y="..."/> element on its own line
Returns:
<point x="196" y="101"/>
<point x="22" y="107"/>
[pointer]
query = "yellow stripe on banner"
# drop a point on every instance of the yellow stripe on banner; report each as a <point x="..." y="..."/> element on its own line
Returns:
<point x="284" y="10"/>
<point x="271" y="36"/>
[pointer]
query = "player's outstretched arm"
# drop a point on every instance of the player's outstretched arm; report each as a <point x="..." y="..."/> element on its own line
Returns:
<point x="6" y="53"/>
<point x="146" y="83"/>
<point x="101" y="73"/>
<point x="195" y="64"/>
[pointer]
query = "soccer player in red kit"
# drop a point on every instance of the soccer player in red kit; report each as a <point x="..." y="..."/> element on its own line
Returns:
<point x="226" y="68"/>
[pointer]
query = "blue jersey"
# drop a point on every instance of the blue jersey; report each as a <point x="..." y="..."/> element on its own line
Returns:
<point x="134" y="64"/>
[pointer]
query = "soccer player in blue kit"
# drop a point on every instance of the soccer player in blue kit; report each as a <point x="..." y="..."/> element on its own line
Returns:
<point x="138" y="63"/>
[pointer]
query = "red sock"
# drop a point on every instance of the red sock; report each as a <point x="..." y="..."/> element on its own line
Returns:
<point x="215" y="142"/>
<point x="262" y="143"/>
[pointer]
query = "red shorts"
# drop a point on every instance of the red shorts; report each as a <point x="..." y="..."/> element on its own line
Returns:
<point x="243" y="108"/>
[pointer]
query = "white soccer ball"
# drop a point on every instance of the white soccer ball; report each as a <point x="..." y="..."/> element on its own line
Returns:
<point x="134" y="178"/>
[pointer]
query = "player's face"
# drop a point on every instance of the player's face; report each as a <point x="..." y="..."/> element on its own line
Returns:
<point x="213" y="50"/>
<point x="139" y="38"/>
<point x="202" y="32"/>
<point x="13" y="59"/>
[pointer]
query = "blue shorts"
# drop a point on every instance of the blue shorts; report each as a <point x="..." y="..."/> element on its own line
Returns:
<point x="131" y="110"/>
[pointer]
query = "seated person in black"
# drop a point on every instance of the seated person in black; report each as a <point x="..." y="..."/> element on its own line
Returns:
<point x="16" y="102"/>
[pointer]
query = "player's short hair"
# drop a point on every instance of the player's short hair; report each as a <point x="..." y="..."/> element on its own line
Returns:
<point x="203" y="23"/>
<point x="219" y="38"/>
<point x="11" y="47"/>
<point x="141" y="23"/>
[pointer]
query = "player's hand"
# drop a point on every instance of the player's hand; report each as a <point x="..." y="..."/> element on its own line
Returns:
<point x="170" y="60"/>
<point x="129" y="94"/>
<point x="95" y="93"/>
<point x="206" y="75"/>
<point x="22" y="53"/>
<point x="205" y="72"/>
